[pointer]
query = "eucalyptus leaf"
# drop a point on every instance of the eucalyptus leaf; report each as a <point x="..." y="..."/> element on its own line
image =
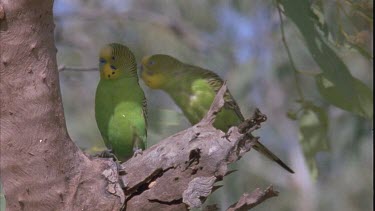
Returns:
<point x="313" y="134"/>
<point x="361" y="103"/>
<point x="336" y="84"/>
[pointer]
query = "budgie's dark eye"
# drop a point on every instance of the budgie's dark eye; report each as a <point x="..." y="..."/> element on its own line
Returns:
<point x="151" y="62"/>
<point x="113" y="67"/>
<point x="101" y="61"/>
<point x="113" y="58"/>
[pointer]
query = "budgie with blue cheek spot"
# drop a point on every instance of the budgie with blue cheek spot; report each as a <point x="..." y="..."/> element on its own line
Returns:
<point x="120" y="104"/>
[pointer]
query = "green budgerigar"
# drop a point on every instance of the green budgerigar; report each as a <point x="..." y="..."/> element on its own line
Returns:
<point x="193" y="89"/>
<point x="120" y="104"/>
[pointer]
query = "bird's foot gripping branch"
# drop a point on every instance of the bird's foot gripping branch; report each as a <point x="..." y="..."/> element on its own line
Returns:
<point x="180" y="172"/>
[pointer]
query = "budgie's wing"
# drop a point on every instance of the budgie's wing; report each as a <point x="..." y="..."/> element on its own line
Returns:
<point x="216" y="82"/>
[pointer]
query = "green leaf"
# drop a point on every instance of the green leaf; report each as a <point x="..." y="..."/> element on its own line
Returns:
<point x="349" y="93"/>
<point x="313" y="128"/>
<point x="291" y="115"/>
<point x="361" y="103"/>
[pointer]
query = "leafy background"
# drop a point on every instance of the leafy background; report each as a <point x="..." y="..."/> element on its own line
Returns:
<point x="306" y="64"/>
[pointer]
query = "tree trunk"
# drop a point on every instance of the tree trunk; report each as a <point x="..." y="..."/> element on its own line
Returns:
<point x="41" y="168"/>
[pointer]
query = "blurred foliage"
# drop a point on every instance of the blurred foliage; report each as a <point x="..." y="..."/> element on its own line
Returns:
<point x="335" y="82"/>
<point x="313" y="127"/>
<point x="2" y="198"/>
<point x="311" y="78"/>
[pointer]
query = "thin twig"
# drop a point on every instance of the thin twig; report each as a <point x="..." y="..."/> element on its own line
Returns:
<point x="79" y="69"/>
<point x="298" y="84"/>
<point x="248" y="201"/>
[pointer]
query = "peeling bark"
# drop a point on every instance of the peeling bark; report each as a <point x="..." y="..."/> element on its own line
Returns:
<point x="198" y="188"/>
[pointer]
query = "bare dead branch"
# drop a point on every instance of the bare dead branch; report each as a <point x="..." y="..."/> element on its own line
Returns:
<point x="248" y="201"/>
<point x="216" y="106"/>
<point x="180" y="172"/>
<point x="253" y="123"/>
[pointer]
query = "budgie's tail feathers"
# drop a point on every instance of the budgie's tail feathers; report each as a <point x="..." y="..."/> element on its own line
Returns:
<point x="266" y="152"/>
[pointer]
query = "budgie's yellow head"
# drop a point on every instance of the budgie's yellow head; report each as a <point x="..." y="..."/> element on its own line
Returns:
<point x="115" y="61"/>
<point x="158" y="69"/>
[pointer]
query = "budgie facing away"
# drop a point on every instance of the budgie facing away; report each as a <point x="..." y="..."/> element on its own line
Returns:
<point x="120" y="104"/>
<point x="193" y="89"/>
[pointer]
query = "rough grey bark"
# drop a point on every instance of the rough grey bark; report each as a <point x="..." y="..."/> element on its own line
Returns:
<point x="42" y="169"/>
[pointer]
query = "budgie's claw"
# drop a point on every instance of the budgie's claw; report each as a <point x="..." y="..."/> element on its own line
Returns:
<point x="120" y="169"/>
<point x="107" y="154"/>
<point x="138" y="151"/>
<point x="226" y="136"/>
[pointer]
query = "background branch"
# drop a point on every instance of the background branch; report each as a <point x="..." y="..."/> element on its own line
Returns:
<point x="67" y="68"/>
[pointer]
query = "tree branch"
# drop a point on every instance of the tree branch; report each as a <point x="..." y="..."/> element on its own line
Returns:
<point x="248" y="201"/>
<point x="62" y="68"/>
<point x="180" y="171"/>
